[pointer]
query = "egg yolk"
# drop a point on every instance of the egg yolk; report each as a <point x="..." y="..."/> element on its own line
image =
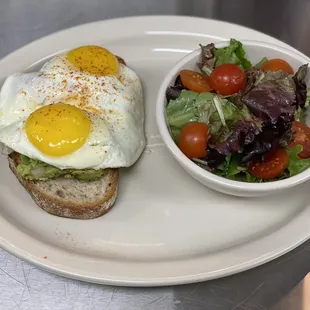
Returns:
<point x="58" y="129"/>
<point x="93" y="59"/>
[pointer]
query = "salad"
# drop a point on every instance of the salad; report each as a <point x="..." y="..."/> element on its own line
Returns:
<point x="239" y="120"/>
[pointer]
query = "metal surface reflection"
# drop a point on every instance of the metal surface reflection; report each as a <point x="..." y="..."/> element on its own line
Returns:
<point x="298" y="298"/>
<point x="284" y="19"/>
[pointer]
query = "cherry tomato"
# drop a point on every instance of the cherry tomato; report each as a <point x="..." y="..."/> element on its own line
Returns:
<point x="277" y="64"/>
<point x="193" y="140"/>
<point x="274" y="163"/>
<point x="301" y="137"/>
<point x="227" y="79"/>
<point x="195" y="81"/>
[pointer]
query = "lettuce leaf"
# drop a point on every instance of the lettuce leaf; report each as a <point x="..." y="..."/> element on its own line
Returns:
<point x="219" y="113"/>
<point x="301" y="113"/>
<point x="231" y="168"/>
<point x="241" y="134"/>
<point x="308" y="98"/>
<point x="238" y="129"/>
<point x="301" y="86"/>
<point x="296" y="164"/>
<point x="207" y="58"/>
<point x="174" y="91"/>
<point x="212" y="57"/>
<point x="230" y="127"/>
<point x="222" y="116"/>
<point x="261" y="62"/>
<point x="271" y="97"/>
<point x="188" y="107"/>
<point x="234" y="54"/>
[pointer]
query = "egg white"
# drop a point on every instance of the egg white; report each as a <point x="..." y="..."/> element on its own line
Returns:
<point x="114" y="105"/>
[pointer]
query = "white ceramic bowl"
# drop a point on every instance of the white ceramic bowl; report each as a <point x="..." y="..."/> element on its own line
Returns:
<point x="255" y="51"/>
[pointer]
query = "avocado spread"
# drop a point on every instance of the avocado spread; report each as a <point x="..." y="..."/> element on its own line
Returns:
<point x="36" y="170"/>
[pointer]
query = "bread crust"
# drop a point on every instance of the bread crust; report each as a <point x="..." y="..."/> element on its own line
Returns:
<point x="63" y="207"/>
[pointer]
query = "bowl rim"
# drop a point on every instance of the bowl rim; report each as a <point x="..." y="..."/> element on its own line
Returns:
<point x="189" y="164"/>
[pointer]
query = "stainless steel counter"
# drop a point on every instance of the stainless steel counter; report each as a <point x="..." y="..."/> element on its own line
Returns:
<point x="23" y="286"/>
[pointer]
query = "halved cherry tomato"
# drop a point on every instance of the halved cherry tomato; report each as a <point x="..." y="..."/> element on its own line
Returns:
<point x="274" y="163"/>
<point x="301" y="137"/>
<point x="277" y="64"/>
<point x="227" y="79"/>
<point x="193" y="140"/>
<point x="195" y="81"/>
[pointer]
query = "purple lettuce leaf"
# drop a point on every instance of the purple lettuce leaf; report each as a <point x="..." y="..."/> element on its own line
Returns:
<point x="207" y="58"/>
<point x="243" y="133"/>
<point x="301" y="86"/>
<point x="173" y="92"/>
<point x="270" y="96"/>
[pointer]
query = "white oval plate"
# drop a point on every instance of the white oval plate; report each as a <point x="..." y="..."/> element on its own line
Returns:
<point x="165" y="227"/>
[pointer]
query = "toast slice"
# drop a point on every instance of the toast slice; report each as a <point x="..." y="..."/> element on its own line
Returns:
<point x="69" y="197"/>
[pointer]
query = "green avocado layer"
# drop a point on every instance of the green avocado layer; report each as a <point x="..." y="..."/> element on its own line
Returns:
<point x="36" y="170"/>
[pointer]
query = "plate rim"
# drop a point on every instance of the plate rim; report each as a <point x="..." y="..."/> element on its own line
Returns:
<point x="54" y="268"/>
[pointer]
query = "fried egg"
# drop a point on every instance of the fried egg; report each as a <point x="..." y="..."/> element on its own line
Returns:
<point x="83" y="109"/>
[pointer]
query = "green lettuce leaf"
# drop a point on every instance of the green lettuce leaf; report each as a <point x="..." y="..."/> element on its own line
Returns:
<point x="296" y="164"/>
<point x="301" y="113"/>
<point x="223" y="116"/>
<point x="231" y="168"/>
<point x="234" y="54"/>
<point x="308" y="98"/>
<point x="261" y="63"/>
<point x="188" y="107"/>
<point x="219" y="113"/>
<point x="182" y="110"/>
